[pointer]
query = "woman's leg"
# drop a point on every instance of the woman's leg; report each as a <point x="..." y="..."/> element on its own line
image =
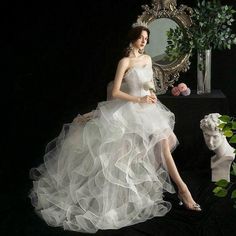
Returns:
<point x="183" y="191"/>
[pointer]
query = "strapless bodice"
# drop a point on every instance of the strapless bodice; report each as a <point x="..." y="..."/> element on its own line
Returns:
<point x="136" y="77"/>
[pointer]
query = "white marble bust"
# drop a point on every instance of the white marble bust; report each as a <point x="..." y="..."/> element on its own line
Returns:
<point x="217" y="142"/>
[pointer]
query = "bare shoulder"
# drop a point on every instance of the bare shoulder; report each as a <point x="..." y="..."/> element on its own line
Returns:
<point x="123" y="64"/>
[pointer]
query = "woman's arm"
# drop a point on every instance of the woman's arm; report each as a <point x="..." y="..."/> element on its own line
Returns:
<point x="122" y="67"/>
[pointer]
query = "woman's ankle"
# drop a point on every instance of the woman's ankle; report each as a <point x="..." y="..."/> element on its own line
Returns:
<point x="182" y="188"/>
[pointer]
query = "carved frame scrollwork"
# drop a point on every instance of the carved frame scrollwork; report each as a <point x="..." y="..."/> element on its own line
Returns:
<point x="166" y="75"/>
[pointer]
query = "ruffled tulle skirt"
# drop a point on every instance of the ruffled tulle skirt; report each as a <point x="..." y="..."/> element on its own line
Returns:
<point x="109" y="172"/>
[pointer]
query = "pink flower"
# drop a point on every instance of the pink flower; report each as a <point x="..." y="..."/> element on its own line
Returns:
<point x="182" y="87"/>
<point x="175" y="91"/>
<point x="186" y="92"/>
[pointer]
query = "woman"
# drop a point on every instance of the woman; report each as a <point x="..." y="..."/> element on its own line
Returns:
<point x="110" y="168"/>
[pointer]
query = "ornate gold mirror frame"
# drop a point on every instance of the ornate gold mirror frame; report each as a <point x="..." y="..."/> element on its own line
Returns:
<point x="166" y="72"/>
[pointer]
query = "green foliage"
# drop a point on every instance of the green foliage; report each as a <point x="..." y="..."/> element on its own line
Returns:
<point x="228" y="127"/>
<point x="233" y="194"/>
<point x="224" y="118"/>
<point x="222" y="189"/>
<point x="177" y="43"/>
<point x="220" y="192"/>
<point x="223" y="183"/>
<point x="211" y="29"/>
<point x="233" y="172"/>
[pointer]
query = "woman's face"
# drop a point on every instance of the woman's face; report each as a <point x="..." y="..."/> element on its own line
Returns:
<point x="141" y="42"/>
<point x="213" y="139"/>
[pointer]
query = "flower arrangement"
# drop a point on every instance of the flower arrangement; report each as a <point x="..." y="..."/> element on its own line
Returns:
<point x="211" y="29"/>
<point x="182" y="89"/>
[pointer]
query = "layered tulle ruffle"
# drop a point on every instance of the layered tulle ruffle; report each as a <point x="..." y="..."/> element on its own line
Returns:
<point x="109" y="172"/>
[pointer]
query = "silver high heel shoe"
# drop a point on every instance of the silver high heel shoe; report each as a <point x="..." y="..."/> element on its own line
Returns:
<point x="195" y="207"/>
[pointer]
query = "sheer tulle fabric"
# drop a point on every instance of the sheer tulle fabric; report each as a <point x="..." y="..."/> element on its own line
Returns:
<point x="109" y="172"/>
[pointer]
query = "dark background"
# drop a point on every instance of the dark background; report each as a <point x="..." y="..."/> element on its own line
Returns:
<point x="58" y="58"/>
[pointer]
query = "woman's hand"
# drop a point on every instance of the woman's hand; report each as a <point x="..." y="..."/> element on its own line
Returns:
<point x="154" y="95"/>
<point x="148" y="99"/>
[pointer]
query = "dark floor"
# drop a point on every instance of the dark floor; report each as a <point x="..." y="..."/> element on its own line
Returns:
<point x="217" y="217"/>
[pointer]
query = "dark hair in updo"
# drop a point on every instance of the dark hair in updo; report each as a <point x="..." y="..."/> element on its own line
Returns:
<point x="134" y="35"/>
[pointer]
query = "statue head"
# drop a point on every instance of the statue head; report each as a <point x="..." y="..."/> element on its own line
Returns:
<point x="212" y="134"/>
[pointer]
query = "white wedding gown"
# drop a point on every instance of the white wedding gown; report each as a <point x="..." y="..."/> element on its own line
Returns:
<point x="109" y="172"/>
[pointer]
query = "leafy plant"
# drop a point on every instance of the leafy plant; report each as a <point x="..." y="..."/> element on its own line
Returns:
<point x="228" y="127"/>
<point x="211" y="29"/>
<point x="223" y="187"/>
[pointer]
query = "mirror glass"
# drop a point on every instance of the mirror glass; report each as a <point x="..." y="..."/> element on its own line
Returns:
<point x="158" y="39"/>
